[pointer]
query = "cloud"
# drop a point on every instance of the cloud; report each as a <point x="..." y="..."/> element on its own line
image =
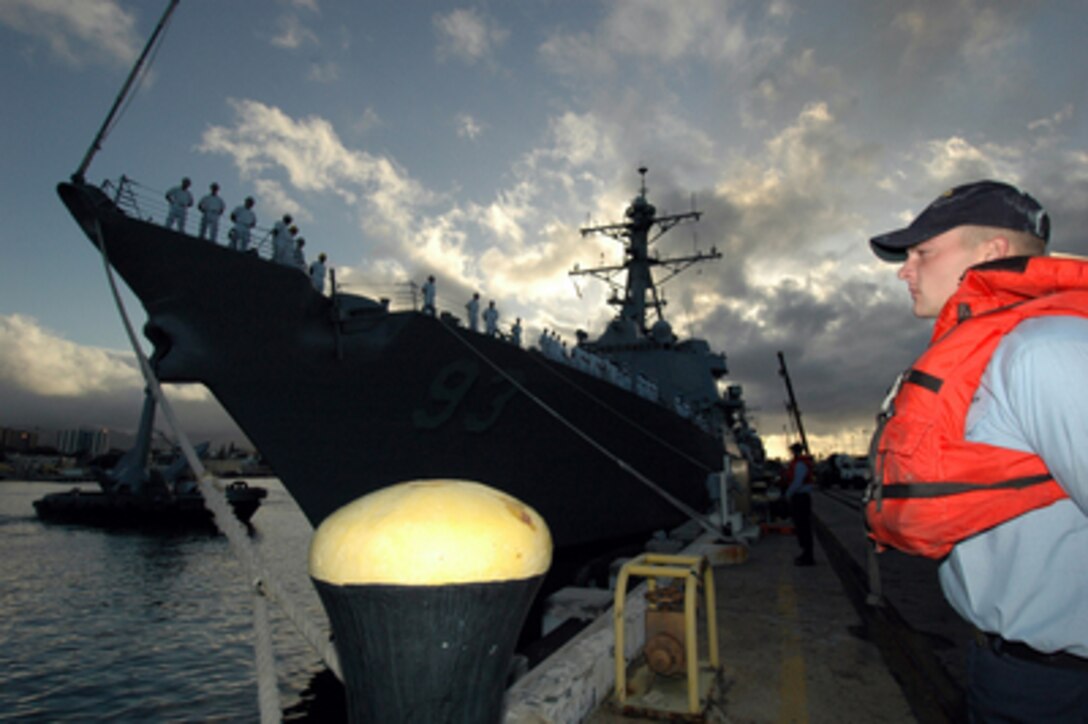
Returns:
<point x="38" y="361"/>
<point x="301" y="160"/>
<point x="293" y="34"/>
<point x="265" y="139"/>
<point x="965" y="29"/>
<point x="468" y="127"/>
<point x="955" y="160"/>
<point x="76" y="32"/>
<point x="49" y="382"/>
<point x="717" y="34"/>
<point x="324" y="72"/>
<point x="1054" y="121"/>
<point x="310" y="5"/>
<point x="367" y="121"/>
<point x="468" y="35"/>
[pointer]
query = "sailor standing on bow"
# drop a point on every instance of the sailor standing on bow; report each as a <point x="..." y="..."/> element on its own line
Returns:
<point x="180" y="200"/>
<point x="515" y="332"/>
<point x="300" y="256"/>
<point x="283" y="246"/>
<point x="244" y="220"/>
<point x="473" y="308"/>
<point x="211" y="208"/>
<point x="428" y="296"/>
<point x="491" y="319"/>
<point x="317" y="273"/>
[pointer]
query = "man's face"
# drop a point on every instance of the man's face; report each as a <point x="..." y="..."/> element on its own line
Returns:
<point x="933" y="269"/>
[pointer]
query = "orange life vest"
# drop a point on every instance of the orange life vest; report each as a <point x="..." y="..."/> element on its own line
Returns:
<point x="787" y="478"/>
<point x="932" y="488"/>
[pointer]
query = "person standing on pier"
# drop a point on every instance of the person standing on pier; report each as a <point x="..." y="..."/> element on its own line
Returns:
<point x="180" y="200"/>
<point x="799" y="481"/>
<point x="979" y="455"/>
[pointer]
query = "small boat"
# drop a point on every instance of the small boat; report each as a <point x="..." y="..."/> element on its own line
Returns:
<point x="134" y="494"/>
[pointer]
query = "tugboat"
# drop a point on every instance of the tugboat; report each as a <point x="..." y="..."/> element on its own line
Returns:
<point x="133" y="494"/>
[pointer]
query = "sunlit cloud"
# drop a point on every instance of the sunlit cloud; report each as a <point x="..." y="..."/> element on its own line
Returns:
<point x="1054" y="121"/>
<point x="76" y="32"/>
<point x="468" y="35"/>
<point x="293" y="34"/>
<point x="310" y="152"/>
<point x="955" y="160"/>
<point x="48" y="381"/>
<point x="713" y="33"/>
<point x="45" y="364"/>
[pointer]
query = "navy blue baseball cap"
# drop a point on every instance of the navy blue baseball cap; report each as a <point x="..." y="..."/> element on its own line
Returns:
<point x="982" y="203"/>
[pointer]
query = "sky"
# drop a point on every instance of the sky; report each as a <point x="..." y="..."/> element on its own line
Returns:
<point x="473" y="141"/>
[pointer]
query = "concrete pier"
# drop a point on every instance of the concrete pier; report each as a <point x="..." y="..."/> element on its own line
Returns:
<point x="797" y="644"/>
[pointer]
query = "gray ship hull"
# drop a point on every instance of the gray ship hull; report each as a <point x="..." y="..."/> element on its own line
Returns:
<point x="343" y="397"/>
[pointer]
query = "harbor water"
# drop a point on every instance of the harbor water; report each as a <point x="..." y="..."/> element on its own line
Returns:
<point x="102" y="625"/>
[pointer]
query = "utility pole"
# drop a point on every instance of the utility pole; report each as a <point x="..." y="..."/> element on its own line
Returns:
<point x="791" y="405"/>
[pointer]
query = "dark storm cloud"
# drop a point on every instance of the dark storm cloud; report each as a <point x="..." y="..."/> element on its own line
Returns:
<point x="842" y="351"/>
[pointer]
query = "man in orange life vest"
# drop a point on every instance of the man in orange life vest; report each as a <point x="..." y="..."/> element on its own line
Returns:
<point x="981" y="456"/>
<point x="798" y="480"/>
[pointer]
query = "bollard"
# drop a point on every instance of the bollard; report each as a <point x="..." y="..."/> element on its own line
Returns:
<point x="427" y="585"/>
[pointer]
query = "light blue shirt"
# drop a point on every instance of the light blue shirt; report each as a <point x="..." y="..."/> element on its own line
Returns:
<point x="1027" y="579"/>
<point x="798" y="484"/>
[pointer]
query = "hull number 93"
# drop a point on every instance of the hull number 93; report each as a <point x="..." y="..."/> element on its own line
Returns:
<point x="458" y="391"/>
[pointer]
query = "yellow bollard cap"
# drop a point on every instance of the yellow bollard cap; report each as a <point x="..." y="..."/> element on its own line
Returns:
<point x="428" y="533"/>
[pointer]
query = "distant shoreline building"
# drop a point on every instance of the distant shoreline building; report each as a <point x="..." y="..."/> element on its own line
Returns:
<point x="87" y="441"/>
<point x="18" y="440"/>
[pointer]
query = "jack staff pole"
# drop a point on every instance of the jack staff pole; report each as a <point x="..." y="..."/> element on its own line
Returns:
<point x="97" y="143"/>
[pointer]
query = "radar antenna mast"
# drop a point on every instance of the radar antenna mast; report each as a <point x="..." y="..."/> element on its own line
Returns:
<point x="640" y="290"/>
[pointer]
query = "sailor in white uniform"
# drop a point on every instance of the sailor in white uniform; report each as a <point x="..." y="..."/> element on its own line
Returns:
<point x="317" y="273"/>
<point x="244" y="220"/>
<point x="428" y="296"/>
<point x="300" y="256"/>
<point x="180" y="200"/>
<point x="473" y="308"/>
<point x="283" y="245"/>
<point x="211" y="208"/>
<point x="515" y="332"/>
<point x="491" y="319"/>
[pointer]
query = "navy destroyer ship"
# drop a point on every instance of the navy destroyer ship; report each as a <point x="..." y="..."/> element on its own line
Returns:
<point x="343" y="394"/>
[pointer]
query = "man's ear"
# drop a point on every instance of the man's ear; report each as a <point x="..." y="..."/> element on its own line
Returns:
<point x="996" y="247"/>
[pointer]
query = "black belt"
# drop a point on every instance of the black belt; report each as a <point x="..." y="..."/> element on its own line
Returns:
<point x="1017" y="650"/>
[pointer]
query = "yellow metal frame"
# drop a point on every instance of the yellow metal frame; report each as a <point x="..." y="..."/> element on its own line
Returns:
<point x="660" y="565"/>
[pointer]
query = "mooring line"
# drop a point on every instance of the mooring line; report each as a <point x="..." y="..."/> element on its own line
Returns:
<point x="680" y="505"/>
<point x="263" y="585"/>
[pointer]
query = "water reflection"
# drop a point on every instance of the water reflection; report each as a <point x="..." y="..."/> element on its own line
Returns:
<point x="133" y="626"/>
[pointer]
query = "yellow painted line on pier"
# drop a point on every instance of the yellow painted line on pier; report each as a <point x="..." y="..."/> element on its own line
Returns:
<point x="793" y="700"/>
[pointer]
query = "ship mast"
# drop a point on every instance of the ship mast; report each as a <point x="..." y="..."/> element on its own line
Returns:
<point x="640" y="290"/>
<point x="96" y="144"/>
